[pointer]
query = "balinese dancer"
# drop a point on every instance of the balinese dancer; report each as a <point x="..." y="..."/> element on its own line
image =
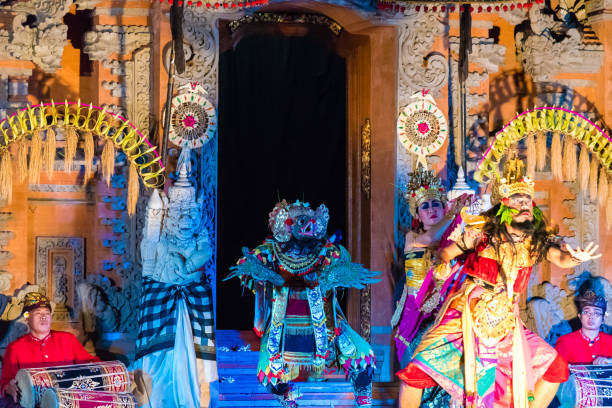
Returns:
<point x="295" y="276"/>
<point x="479" y="351"/>
<point x="432" y="219"/>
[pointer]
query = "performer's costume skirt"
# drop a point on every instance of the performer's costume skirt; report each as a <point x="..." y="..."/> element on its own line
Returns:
<point x="439" y="358"/>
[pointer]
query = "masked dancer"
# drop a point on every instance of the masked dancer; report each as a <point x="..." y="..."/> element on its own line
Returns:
<point x="295" y="276"/>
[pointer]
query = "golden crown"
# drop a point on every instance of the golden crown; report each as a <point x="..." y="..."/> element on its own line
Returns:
<point x="423" y="186"/>
<point x="515" y="180"/>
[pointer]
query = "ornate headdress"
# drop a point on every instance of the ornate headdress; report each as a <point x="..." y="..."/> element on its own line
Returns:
<point x="283" y="216"/>
<point x="423" y="186"/>
<point x="34" y="300"/>
<point x="515" y="180"/>
<point x="590" y="298"/>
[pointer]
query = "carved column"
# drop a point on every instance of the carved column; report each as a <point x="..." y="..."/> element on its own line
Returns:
<point x="418" y="68"/>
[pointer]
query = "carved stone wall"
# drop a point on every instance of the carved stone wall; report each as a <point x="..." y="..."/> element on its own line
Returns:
<point x="36" y="33"/>
<point x="551" y="45"/>
<point x="60" y="267"/>
<point x="126" y="52"/>
<point x="419" y="67"/>
<point x="201" y="50"/>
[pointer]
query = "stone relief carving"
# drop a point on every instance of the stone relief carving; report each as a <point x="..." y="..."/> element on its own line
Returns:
<point x="41" y="42"/>
<point x="59" y="188"/>
<point x="201" y="51"/>
<point x="585" y="224"/>
<point x="117" y="89"/>
<point x="60" y="282"/>
<point x="548" y="46"/>
<point x="46" y="278"/>
<point x="419" y="67"/>
<point x="106" y="40"/>
<point x="5" y="256"/>
<point x="138" y="90"/>
<point x="488" y="56"/>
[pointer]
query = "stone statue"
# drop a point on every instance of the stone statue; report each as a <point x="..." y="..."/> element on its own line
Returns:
<point x="175" y="345"/>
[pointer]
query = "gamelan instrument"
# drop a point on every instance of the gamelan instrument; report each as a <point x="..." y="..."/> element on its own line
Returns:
<point x="588" y="386"/>
<point x="108" y="376"/>
<point x="58" y="398"/>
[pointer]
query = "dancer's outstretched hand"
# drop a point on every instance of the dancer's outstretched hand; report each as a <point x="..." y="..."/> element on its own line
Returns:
<point x="584" y="255"/>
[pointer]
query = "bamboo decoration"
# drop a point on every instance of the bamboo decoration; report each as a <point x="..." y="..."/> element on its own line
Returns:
<point x="22" y="160"/>
<point x="541" y="151"/>
<point x="108" y="161"/>
<point x="72" y="140"/>
<point x="556" y="165"/>
<point x="88" y="150"/>
<point x="583" y="170"/>
<point x="602" y="189"/>
<point x="594" y="164"/>
<point x="6" y="177"/>
<point x="594" y="170"/>
<point x="569" y="160"/>
<point x="133" y="189"/>
<point x="49" y="152"/>
<point x="35" y="163"/>
<point x="531" y="155"/>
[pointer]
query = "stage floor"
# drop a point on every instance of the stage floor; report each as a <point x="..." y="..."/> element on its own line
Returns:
<point x="237" y="355"/>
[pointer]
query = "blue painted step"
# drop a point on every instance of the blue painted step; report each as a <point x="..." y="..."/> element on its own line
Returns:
<point x="239" y="387"/>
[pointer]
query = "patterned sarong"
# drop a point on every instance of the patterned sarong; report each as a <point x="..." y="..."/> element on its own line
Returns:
<point x="157" y="320"/>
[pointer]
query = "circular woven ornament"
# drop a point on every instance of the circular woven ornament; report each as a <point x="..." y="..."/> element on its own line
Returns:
<point x="193" y="121"/>
<point x="422" y="127"/>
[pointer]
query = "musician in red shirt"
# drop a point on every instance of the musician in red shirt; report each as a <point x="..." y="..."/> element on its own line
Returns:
<point x="41" y="347"/>
<point x="587" y="345"/>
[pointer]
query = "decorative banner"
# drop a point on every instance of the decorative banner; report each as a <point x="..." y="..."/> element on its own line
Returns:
<point x="422" y="127"/>
<point x="435" y="6"/>
<point x="194" y="118"/>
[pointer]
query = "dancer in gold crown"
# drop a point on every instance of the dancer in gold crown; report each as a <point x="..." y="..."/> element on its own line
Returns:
<point x="479" y="351"/>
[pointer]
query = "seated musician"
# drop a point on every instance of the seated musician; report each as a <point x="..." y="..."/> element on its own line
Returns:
<point x="41" y="347"/>
<point x="588" y="345"/>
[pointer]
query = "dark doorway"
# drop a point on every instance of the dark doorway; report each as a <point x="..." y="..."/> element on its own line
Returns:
<point x="282" y="134"/>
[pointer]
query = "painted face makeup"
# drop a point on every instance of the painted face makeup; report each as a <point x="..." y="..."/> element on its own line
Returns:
<point x="430" y="212"/>
<point x="524" y="204"/>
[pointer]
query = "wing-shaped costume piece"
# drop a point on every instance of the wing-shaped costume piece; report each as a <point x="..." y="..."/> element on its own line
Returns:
<point x="254" y="269"/>
<point x="344" y="273"/>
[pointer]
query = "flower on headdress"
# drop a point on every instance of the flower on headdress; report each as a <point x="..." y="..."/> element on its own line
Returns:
<point x="426" y="186"/>
<point x="505" y="201"/>
<point x="289" y="222"/>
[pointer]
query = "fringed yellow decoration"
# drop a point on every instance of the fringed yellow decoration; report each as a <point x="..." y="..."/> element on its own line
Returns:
<point x="22" y="160"/>
<point x="108" y="160"/>
<point x="602" y="189"/>
<point x="49" y="152"/>
<point x="556" y="166"/>
<point x="583" y="169"/>
<point x="531" y="155"/>
<point x="72" y="140"/>
<point x="593" y="179"/>
<point x="35" y="164"/>
<point x="89" y="150"/>
<point x="6" y="177"/>
<point x="541" y="151"/>
<point x="133" y="189"/>
<point x="569" y="160"/>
